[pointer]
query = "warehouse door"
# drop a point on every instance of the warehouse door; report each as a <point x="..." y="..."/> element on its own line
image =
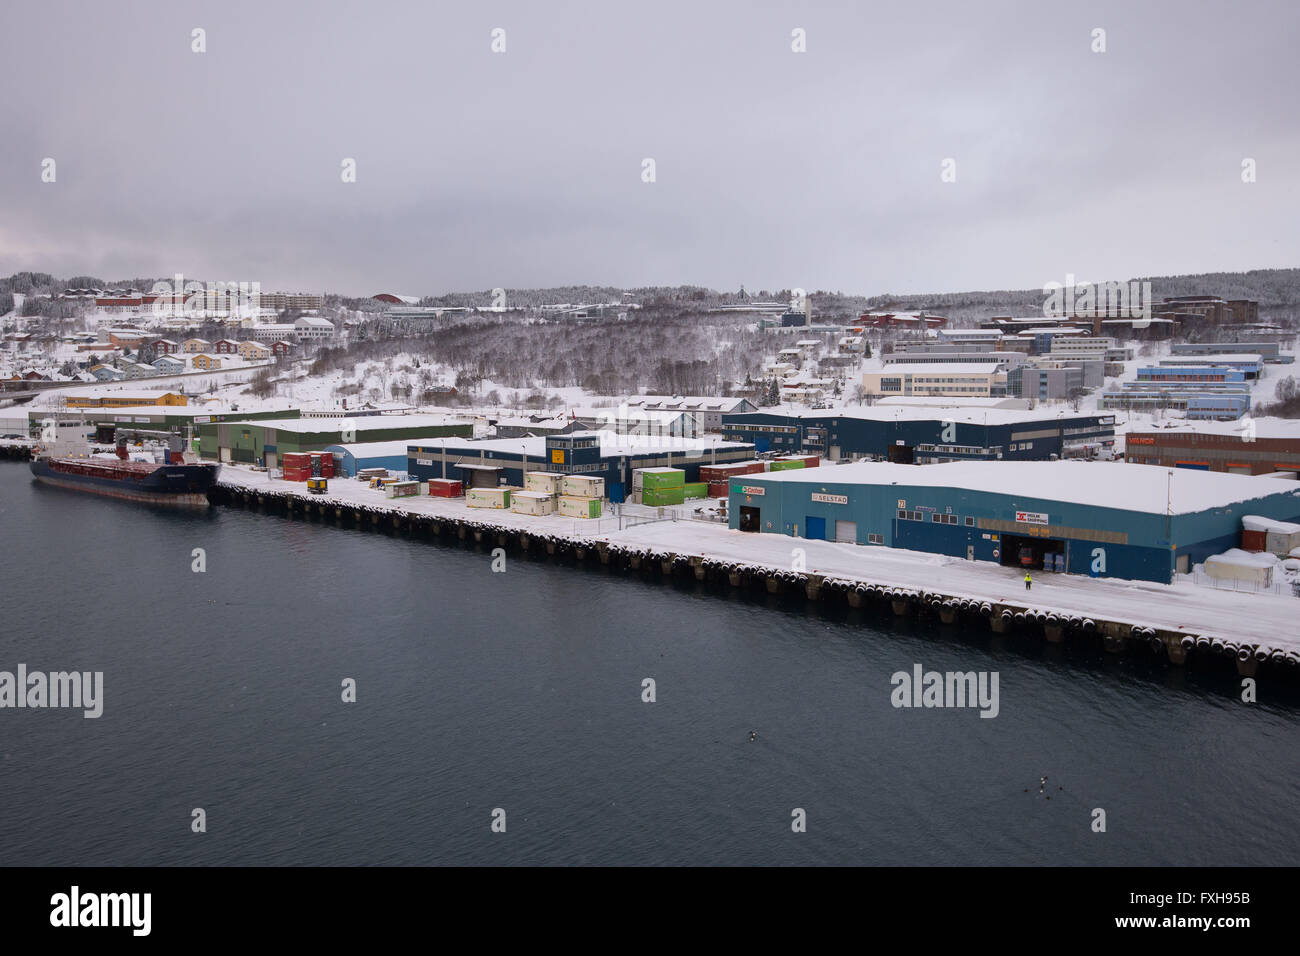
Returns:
<point x="750" y="519"/>
<point x="902" y="454"/>
<point x="814" y="528"/>
<point x="834" y="454"/>
<point x="272" y="459"/>
<point x="1026" y="552"/>
<point x="846" y="532"/>
<point x="225" y="454"/>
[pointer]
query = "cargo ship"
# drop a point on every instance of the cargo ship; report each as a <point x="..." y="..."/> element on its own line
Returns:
<point x="177" y="484"/>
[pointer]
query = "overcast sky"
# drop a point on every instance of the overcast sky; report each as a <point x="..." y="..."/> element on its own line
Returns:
<point x="773" y="168"/>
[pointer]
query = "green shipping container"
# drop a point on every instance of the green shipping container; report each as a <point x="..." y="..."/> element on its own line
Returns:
<point x="668" y="478"/>
<point x="697" y="489"/>
<point x="658" y="497"/>
<point x="779" y="465"/>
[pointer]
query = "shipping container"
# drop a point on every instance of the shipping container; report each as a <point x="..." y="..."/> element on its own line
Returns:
<point x="644" y="479"/>
<point x="294" y="459"/>
<point x="532" y="503"/>
<point x="1241" y="568"/>
<point x="787" y="464"/>
<point x="402" y="489"/>
<point x="498" y="498"/>
<point x="544" y="482"/>
<point x="582" y="486"/>
<point x="660" y="497"/>
<point x="616" y="492"/>
<point x="446" y="488"/>
<point x="718" y="489"/>
<point x="697" y="489"/>
<point x="712" y="473"/>
<point x="576" y="507"/>
<point x="1254" y="540"/>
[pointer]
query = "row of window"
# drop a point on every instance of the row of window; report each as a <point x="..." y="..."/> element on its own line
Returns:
<point x="935" y="517"/>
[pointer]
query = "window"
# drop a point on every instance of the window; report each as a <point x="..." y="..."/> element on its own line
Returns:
<point x="970" y="522"/>
<point x="875" y="539"/>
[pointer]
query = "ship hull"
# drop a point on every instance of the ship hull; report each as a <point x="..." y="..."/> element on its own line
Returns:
<point x="184" y="486"/>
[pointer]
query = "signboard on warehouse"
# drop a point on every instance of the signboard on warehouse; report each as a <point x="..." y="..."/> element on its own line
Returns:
<point x="752" y="490"/>
<point x="1031" y="517"/>
<point x="831" y="499"/>
<point x="424" y="461"/>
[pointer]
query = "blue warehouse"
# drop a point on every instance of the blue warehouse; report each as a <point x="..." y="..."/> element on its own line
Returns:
<point x="910" y="434"/>
<point x="1139" y="522"/>
<point x="600" y="454"/>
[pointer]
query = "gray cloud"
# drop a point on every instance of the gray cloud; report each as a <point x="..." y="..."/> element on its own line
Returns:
<point x="775" y="169"/>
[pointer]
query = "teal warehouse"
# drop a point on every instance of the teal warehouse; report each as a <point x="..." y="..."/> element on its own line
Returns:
<point x="1139" y="522"/>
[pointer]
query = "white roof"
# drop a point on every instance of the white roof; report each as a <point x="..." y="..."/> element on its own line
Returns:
<point x="611" y="444"/>
<point x="1264" y="428"/>
<point x="361" y="423"/>
<point x="983" y="415"/>
<point x="1192" y="359"/>
<point x="933" y="368"/>
<point x="1124" y="487"/>
<point x="1256" y="523"/>
<point x="374" y="449"/>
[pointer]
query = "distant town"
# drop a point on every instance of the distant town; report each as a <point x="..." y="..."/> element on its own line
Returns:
<point x="1158" y="442"/>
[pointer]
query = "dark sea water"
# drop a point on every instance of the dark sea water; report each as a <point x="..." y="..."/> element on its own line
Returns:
<point x="522" y="691"/>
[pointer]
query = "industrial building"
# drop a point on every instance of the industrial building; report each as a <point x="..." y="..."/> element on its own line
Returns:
<point x="602" y="454"/>
<point x="1269" y="351"/>
<point x="921" y="434"/>
<point x="973" y="379"/>
<point x="1198" y="404"/>
<point x="263" y="442"/>
<point x="1262" y="447"/>
<point x="1134" y="522"/>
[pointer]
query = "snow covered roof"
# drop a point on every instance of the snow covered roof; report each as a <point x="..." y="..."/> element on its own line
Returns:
<point x="1125" y="487"/>
<point x="978" y="415"/>
<point x="931" y="368"/>
<point x="374" y="449"/>
<point x="1256" y="523"/>
<point x="611" y="444"/>
<point x="361" y="423"/>
<point x="1266" y="427"/>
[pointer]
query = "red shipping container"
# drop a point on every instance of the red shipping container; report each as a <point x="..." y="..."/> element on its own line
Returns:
<point x="810" y="461"/>
<point x="446" y="488"/>
<point x="755" y="467"/>
<point x="295" y="458"/>
<point x="719" y="489"/>
<point x="1254" y="540"/>
<point x="327" y="466"/>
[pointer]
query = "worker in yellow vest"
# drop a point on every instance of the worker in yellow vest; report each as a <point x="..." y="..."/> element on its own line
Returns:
<point x="1028" y="581"/>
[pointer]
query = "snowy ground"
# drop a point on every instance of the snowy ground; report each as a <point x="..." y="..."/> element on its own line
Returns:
<point x="350" y="491"/>
<point x="1255" y="618"/>
<point x="1184" y="606"/>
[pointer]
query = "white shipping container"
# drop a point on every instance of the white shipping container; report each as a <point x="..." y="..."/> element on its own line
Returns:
<point x="532" y="503"/>
<point x="546" y="482"/>
<point x="583" y="486"/>
<point x="1243" y="566"/>
<point x="574" y="507"/>
<point x="487" y="497"/>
